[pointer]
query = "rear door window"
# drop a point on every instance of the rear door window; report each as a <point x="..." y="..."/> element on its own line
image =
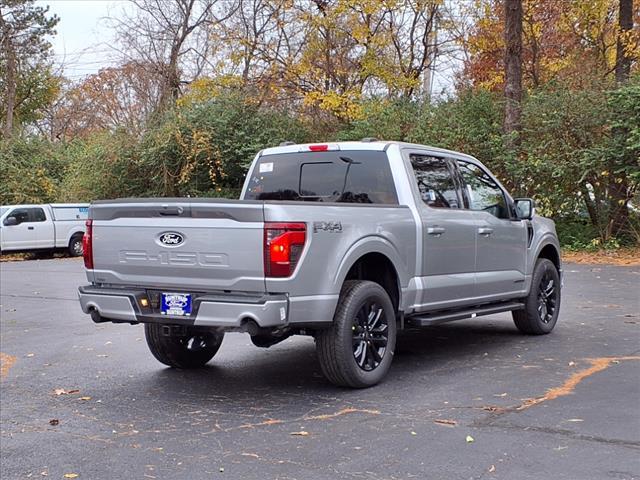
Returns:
<point x="435" y="181"/>
<point x="336" y="176"/>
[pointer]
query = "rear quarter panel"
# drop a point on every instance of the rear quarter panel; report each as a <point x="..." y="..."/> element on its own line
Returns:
<point x="330" y="253"/>
<point x="65" y="229"/>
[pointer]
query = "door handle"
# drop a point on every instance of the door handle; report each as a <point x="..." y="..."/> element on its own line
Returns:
<point x="486" y="231"/>
<point x="29" y="228"/>
<point x="436" y="231"/>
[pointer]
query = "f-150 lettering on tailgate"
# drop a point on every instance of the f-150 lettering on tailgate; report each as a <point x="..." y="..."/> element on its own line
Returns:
<point x="174" y="258"/>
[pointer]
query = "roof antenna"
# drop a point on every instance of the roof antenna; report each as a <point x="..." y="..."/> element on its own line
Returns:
<point x="369" y="139"/>
<point x="286" y="143"/>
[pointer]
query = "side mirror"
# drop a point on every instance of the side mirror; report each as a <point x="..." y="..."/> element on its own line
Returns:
<point x="10" y="221"/>
<point x="525" y="208"/>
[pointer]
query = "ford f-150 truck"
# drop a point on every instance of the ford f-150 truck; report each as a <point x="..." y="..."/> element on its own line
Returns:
<point x="53" y="226"/>
<point x="348" y="242"/>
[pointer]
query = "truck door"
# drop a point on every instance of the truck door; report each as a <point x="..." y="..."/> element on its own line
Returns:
<point x="45" y="230"/>
<point x="20" y="236"/>
<point x="501" y="239"/>
<point x="448" y="234"/>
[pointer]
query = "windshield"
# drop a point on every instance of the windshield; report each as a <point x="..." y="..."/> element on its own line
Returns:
<point x="336" y="176"/>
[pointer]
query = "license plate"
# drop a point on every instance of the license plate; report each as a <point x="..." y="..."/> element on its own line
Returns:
<point x="176" y="304"/>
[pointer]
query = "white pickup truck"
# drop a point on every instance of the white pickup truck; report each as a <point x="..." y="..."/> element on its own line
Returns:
<point x="28" y="228"/>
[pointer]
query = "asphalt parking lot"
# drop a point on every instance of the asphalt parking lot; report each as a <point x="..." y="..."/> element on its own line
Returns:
<point x="467" y="400"/>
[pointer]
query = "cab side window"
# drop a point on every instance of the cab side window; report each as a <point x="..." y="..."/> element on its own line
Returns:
<point x="38" y="215"/>
<point x="482" y="192"/>
<point x="21" y="214"/>
<point x="435" y="181"/>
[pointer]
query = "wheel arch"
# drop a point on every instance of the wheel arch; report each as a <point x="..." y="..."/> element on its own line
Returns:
<point x="374" y="259"/>
<point x="550" y="252"/>
<point x="74" y="233"/>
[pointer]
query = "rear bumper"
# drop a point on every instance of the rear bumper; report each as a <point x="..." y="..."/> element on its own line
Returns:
<point x="209" y="310"/>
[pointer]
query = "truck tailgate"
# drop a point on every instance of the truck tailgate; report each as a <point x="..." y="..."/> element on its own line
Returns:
<point x="184" y="244"/>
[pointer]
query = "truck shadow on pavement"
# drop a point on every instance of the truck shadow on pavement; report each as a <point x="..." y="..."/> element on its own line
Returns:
<point x="292" y="365"/>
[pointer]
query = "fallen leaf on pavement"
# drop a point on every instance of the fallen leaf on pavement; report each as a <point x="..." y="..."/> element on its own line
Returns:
<point x="70" y="475"/>
<point x="470" y="439"/>
<point x="492" y="468"/>
<point x="300" y="434"/>
<point x="54" y="422"/>
<point x="413" y="433"/>
<point x="62" y="391"/>
<point x="84" y="398"/>
<point x="445" y="422"/>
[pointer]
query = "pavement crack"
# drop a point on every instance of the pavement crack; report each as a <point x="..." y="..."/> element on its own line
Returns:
<point x="570" y="434"/>
<point x="567" y="388"/>
<point x="275" y="421"/>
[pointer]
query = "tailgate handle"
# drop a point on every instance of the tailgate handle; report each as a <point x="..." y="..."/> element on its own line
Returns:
<point x="166" y="210"/>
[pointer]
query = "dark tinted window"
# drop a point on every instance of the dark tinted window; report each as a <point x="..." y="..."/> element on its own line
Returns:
<point x="21" y="214"/>
<point x="347" y="176"/>
<point x="38" y="215"/>
<point x="482" y="192"/>
<point x="435" y="181"/>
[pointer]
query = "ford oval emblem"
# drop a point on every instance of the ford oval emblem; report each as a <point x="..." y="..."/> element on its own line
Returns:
<point x="171" y="239"/>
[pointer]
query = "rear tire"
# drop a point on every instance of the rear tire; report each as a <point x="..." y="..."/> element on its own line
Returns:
<point x="75" y="246"/>
<point x="358" y="349"/>
<point x="192" y="350"/>
<point x="542" y="305"/>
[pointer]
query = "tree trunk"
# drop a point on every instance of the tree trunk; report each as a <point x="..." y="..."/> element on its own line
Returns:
<point x="11" y="85"/>
<point x="591" y="208"/>
<point x="623" y="59"/>
<point x="512" y="70"/>
<point x="618" y="182"/>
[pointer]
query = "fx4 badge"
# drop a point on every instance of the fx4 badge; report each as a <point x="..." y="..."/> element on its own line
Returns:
<point x="332" y="227"/>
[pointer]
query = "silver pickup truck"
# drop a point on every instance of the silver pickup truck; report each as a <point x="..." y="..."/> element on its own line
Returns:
<point x="348" y="242"/>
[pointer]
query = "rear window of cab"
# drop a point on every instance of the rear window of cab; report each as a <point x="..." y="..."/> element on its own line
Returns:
<point x="334" y="176"/>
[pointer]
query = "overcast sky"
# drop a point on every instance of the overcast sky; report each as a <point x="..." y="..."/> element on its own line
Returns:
<point x="81" y="45"/>
<point x="82" y="41"/>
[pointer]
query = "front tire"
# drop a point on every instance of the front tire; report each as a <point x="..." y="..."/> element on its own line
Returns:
<point x="358" y="349"/>
<point x="542" y="305"/>
<point x="191" y="350"/>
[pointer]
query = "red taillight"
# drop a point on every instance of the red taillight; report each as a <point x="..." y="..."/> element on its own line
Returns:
<point x="283" y="244"/>
<point x="87" y="245"/>
<point x="318" y="148"/>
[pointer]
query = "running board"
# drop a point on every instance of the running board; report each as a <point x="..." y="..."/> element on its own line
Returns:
<point x="436" y="318"/>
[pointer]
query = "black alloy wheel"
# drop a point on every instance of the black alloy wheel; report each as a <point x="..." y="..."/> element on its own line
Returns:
<point x="547" y="297"/>
<point x="370" y="335"/>
<point x="542" y="305"/>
